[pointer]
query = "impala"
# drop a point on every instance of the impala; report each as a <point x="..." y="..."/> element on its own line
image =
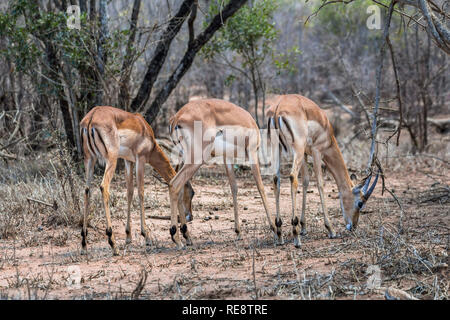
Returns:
<point x="208" y="128"/>
<point x="303" y="128"/>
<point x="109" y="133"/>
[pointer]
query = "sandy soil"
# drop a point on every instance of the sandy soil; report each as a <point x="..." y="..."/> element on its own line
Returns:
<point x="219" y="267"/>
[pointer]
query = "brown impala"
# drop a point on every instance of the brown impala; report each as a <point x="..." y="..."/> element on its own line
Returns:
<point x="304" y="128"/>
<point x="215" y="128"/>
<point x="109" y="133"/>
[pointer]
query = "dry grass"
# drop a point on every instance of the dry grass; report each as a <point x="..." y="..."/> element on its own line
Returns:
<point x="409" y="244"/>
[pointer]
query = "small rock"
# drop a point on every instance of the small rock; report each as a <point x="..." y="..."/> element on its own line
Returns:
<point x="211" y="213"/>
<point x="40" y="228"/>
<point x="207" y="218"/>
<point x="244" y="220"/>
<point x="216" y="209"/>
<point x="245" y="208"/>
<point x="216" y="217"/>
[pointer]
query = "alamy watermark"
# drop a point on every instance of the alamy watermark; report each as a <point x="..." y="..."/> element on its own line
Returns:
<point x="232" y="143"/>
<point x="374" y="280"/>
<point x="73" y="19"/>
<point x="74" y="279"/>
<point x="374" y="20"/>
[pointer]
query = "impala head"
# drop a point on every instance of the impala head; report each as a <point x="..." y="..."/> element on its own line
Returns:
<point x="186" y="200"/>
<point x="351" y="205"/>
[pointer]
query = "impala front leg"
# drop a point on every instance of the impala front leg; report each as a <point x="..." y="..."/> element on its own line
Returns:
<point x="275" y="224"/>
<point x="174" y="219"/>
<point x="318" y="172"/>
<point x="145" y="232"/>
<point x="232" y="179"/>
<point x="276" y="187"/>
<point x="297" y="163"/>
<point x="180" y="179"/>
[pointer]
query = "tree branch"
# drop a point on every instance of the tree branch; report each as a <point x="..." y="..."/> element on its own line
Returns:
<point x="378" y="81"/>
<point x="189" y="56"/>
<point x="124" y="95"/>
<point x="173" y="27"/>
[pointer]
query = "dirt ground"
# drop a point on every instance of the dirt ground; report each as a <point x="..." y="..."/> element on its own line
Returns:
<point x="45" y="262"/>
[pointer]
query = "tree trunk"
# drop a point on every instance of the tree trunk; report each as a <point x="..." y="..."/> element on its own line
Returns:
<point x="124" y="93"/>
<point x="101" y="52"/>
<point x="54" y="65"/>
<point x="160" y="55"/>
<point x="189" y="56"/>
<point x="83" y="6"/>
<point x="255" y="96"/>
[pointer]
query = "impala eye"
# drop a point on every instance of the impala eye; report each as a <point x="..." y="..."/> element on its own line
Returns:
<point x="360" y="204"/>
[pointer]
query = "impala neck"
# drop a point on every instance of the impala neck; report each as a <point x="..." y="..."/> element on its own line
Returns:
<point x="335" y="163"/>
<point x="160" y="162"/>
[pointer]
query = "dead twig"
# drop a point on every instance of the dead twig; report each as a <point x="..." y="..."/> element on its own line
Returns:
<point x="54" y="205"/>
<point x="392" y="293"/>
<point x="8" y="156"/>
<point x="140" y="285"/>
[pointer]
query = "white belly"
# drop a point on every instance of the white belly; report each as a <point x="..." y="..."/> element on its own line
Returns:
<point x="231" y="144"/>
<point x="126" y="153"/>
<point x="132" y="144"/>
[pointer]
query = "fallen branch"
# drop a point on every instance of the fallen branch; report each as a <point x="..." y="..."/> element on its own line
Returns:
<point x="443" y="125"/>
<point x="158" y="217"/>
<point x="340" y="104"/>
<point x="140" y="286"/>
<point x="8" y="156"/>
<point x="54" y="205"/>
<point x="392" y="293"/>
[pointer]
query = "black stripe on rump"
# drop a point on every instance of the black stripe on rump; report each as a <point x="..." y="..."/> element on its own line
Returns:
<point x="289" y="128"/>
<point x="93" y="138"/>
<point x="81" y="137"/>
<point x="89" y="137"/>
<point x="101" y="140"/>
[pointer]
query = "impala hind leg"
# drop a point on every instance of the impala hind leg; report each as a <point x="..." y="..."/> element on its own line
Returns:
<point x="232" y="179"/>
<point x="275" y="224"/>
<point x="296" y="164"/>
<point x="305" y="182"/>
<point x="318" y="173"/>
<point x="180" y="179"/>
<point x="89" y="163"/>
<point x="130" y="191"/>
<point x="104" y="188"/>
<point x="277" y="185"/>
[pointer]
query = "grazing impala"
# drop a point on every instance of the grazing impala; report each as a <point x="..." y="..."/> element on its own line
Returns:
<point x="109" y="133"/>
<point x="215" y="128"/>
<point x="304" y="128"/>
